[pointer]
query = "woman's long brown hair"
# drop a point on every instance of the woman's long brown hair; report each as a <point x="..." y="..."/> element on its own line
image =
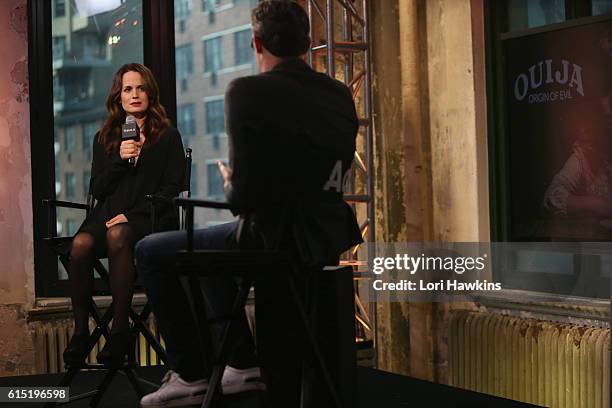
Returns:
<point x="156" y="119"/>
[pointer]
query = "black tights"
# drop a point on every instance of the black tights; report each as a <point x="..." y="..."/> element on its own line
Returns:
<point x="119" y="242"/>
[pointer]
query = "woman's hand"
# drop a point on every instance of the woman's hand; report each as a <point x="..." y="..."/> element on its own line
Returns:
<point x="117" y="219"/>
<point x="129" y="149"/>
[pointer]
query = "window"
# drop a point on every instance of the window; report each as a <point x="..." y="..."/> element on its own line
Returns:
<point x="89" y="133"/>
<point x="213" y="54"/>
<point x="534" y="13"/>
<point x="91" y="47"/>
<point x="210" y="5"/>
<point x="215" y="181"/>
<point x="59" y="47"/>
<point x="184" y="65"/>
<point x="182" y="9"/>
<point x="71" y="226"/>
<point x="89" y="41"/>
<point x="213" y="23"/>
<point x="186" y="119"/>
<point x="193" y="182"/>
<point x="58" y="93"/>
<point x="242" y="47"/>
<point x="86" y="179"/>
<point x="184" y="61"/>
<point x="601" y="7"/>
<point x="215" y="117"/>
<point x="69" y="139"/>
<point x="70" y="185"/>
<point x="526" y="80"/>
<point x="81" y="82"/>
<point x="60" y="8"/>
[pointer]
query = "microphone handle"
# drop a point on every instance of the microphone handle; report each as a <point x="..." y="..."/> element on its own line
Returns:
<point x="132" y="160"/>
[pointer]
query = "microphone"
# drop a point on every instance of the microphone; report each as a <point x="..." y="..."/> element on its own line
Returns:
<point x="130" y="131"/>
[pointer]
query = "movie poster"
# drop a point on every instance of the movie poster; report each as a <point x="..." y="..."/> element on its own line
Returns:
<point x="559" y="123"/>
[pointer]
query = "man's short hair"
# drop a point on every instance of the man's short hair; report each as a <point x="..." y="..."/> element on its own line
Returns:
<point x="282" y="26"/>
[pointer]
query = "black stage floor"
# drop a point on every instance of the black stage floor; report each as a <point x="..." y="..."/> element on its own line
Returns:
<point x="376" y="389"/>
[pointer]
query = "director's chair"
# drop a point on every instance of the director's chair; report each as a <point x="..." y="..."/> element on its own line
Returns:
<point x="247" y="266"/>
<point x="61" y="247"/>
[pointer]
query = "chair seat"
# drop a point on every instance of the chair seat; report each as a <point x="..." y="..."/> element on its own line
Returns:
<point x="228" y="262"/>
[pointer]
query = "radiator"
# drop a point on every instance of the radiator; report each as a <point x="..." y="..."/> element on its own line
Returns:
<point x="52" y="336"/>
<point x="543" y="363"/>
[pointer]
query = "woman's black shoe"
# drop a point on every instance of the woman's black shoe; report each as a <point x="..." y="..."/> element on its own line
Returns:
<point x="116" y="349"/>
<point x="77" y="349"/>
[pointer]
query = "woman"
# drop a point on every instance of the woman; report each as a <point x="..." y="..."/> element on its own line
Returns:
<point x="583" y="187"/>
<point x="122" y="215"/>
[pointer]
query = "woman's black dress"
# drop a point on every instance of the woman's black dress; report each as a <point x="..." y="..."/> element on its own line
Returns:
<point x="120" y="188"/>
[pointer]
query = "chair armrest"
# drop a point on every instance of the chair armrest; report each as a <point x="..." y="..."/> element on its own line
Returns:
<point x="52" y="215"/>
<point x="156" y="199"/>
<point x="64" y="204"/>
<point x="194" y="202"/>
<point x="189" y="204"/>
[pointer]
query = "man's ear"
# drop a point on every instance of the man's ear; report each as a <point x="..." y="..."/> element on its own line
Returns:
<point x="257" y="44"/>
<point x="305" y="55"/>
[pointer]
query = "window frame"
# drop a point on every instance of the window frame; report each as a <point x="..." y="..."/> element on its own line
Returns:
<point x="55" y="13"/>
<point x="185" y="6"/>
<point x="158" y="48"/>
<point x="249" y="51"/>
<point x="190" y="129"/>
<point x="208" y="68"/>
<point x="87" y="137"/>
<point x="212" y="171"/>
<point x="193" y="181"/>
<point x="210" y="100"/>
<point x="187" y="52"/>
<point x="69" y="140"/>
<point x="70" y="185"/>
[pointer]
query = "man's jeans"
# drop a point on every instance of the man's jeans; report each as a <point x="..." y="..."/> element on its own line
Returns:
<point x="155" y="256"/>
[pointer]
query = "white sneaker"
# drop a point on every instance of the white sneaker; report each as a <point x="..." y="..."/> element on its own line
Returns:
<point x="176" y="392"/>
<point x="235" y="380"/>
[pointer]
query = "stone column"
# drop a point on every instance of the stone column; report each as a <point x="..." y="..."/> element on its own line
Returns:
<point x="432" y="173"/>
<point x="16" y="233"/>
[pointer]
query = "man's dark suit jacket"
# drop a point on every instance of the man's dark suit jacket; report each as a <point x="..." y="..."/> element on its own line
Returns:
<point x="292" y="137"/>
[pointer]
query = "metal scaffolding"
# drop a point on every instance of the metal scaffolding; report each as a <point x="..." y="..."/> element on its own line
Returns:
<point x="341" y="47"/>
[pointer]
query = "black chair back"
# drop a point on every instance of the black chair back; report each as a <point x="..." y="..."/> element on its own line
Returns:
<point x="186" y="193"/>
<point x="187" y="181"/>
